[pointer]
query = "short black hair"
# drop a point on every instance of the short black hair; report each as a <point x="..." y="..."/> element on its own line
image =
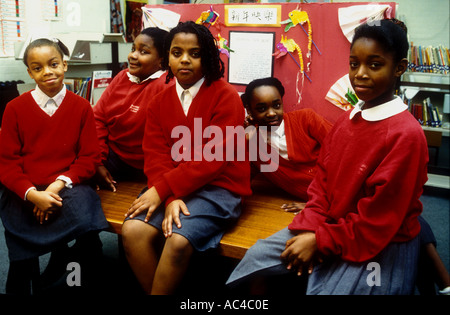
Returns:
<point x="390" y="33"/>
<point x="159" y="37"/>
<point x="212" y="66"/>
<point x="60" y="47"/>
<point x="269" y="81"/>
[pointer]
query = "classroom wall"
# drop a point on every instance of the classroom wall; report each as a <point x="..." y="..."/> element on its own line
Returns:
<point x="328" y="63"/>
<point x="427" y="21"/>
<point x="78" y="16"/>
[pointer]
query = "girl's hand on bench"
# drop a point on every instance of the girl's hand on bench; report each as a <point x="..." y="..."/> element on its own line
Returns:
<point x="295" y="207"/>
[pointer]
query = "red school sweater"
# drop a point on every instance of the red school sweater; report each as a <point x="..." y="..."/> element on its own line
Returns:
<point x="305" y="133"/>
<point x="367" y="188"/>
<point x="36" y="148"/>
<point x="120" y="116"/>
<point x="215" y="105"/>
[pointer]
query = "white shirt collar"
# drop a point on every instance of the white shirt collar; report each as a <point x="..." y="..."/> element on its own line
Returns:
<point x="193" y="89"/>
<point x="380" y="112"/>
<point x="277" y="138"/>
<point x="136" y="80"/>
<point x="277" y="131"/>
<point x="41" y="98"/>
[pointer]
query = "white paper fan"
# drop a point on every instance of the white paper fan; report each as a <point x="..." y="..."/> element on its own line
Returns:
<point x="351" y="17"/>
<point x="161" y="18"/>
<point x="339" y="91"/>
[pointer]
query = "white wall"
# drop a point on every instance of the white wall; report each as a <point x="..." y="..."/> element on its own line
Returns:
<point x="427" y="21"/>
<point x="78" y="16"/>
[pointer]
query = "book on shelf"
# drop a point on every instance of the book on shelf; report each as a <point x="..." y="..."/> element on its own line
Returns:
<point x="100" y="80"/>
<point x="90" y="88"/>
<point x="80" y="86"/>
<point x="429" y="59"/>
<point x="426" y="114"/>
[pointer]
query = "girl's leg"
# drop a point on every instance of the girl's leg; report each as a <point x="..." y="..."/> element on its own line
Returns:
<point x="57" y="265"/>
<point x="141" y="243"/>
<point x="172" y="265"/>
<point x="23" y="277"/>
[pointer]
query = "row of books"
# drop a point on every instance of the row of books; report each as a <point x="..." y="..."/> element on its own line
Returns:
<point x="80" y="86"/>
<point x="90" y="88"/>
<point x="429" y="59"/>
<point x="426" y="114"/>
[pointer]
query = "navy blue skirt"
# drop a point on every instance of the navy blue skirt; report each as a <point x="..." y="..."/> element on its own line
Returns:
<point x="212" y="210"/>
<point x="27" y="238"/>
<point x="396" y="273"/>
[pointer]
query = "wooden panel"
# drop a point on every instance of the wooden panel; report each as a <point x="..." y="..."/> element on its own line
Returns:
<point x="434" y="138"/>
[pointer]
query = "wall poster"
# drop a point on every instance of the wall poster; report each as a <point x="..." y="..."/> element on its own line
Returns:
<point x="251" y="57"/>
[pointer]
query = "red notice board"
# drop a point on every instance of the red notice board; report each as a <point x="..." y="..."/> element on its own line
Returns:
<point x="325" y="68"/>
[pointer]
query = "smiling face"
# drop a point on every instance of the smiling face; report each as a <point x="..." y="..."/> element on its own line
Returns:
<point x="266" y="106"/>
<point x="144" y="59"/>
<point x="185" y="59"/>
<point x="373" y="72"/>
<point x="46" y="67"/>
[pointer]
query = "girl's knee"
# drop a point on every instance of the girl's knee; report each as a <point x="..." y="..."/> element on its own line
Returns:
<point x="135" y="232"/>
<point x="179" y="247"/>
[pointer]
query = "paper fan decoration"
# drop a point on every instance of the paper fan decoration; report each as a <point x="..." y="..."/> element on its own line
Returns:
<point x="342" y="94"/>
<point x="351" y="17"/>
<point x="161" y="18"/>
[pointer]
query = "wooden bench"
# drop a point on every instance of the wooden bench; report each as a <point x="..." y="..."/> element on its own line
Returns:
<point x="261" y="214"/>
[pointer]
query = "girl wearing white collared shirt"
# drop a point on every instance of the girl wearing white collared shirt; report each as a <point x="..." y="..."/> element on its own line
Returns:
<point x="358" y="233"/>
<point x="121" y="110"/>
<point x="297" y="136"/>
<point x="48" y="150"/>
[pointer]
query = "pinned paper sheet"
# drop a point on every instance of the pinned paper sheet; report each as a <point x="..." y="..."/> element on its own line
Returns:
<point x="351" y="17"/>
<point x="342" y="94"/>
<point x="161" y="18"/>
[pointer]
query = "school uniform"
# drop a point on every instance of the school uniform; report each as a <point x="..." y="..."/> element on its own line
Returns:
<point x="363" y="205"/>
<point x="39" y="146"/>
<point x="298" y="140"/>
<point x="120" y="119"/>
<point x="211" y="189"/>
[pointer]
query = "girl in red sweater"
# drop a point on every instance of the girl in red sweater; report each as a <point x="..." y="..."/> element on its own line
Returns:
<point x="358" y="233"/>
<point x="297" y="136"/>
<point x="190" y="199"/>
<point x="48" y="148"/>
<point x="121" y="110"/>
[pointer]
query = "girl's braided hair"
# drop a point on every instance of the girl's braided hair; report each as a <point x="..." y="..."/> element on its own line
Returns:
<point x="212" y="65"/>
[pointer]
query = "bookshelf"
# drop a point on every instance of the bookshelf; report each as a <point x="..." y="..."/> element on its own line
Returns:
<point x="417" y="87"/>
<point x="100" y="56"/>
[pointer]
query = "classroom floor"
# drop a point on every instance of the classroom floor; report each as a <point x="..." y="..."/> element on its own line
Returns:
<point x="117" y="278"/>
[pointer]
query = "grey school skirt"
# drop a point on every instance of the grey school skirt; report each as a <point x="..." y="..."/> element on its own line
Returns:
<point x="27" y="238"/>
<point x="392" y="272"/>
<point x="212" y="210"/>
